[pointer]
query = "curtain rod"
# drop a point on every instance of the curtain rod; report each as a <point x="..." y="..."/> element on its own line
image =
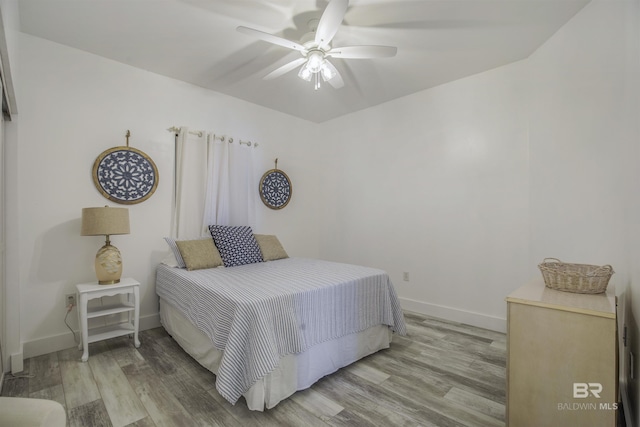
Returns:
<point x="174" y="129"/>
<point x="222" y="138"/>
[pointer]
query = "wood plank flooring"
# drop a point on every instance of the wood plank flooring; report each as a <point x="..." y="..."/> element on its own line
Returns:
<point x="441" y="374"/>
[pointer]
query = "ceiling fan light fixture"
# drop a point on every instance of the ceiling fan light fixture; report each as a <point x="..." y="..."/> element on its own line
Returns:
<point x="315" y="47"/>
<point x="327" y="72"/>
<point x="316" y="59"/>
<point x="305" y="73"/>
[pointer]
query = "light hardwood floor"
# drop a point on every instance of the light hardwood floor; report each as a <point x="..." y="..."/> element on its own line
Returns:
<point x="441" y="374"/>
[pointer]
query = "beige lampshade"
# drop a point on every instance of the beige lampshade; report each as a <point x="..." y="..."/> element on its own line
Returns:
<point x="104" y="221"/>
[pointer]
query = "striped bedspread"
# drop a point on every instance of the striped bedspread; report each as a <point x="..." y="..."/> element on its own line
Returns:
<point x="258" y="313"/>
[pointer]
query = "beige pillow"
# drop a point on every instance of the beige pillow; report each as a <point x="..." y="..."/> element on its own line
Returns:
<point x="270" y="247"/>
<point x="199" y="254"/>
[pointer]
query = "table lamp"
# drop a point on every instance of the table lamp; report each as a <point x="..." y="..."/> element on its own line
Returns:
<point x="106" y="221"/>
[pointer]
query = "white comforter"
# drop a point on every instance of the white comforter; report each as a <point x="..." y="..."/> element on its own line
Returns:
<point x="258" y="313"/>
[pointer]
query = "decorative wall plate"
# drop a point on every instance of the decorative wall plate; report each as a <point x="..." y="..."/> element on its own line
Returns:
<point x="125" y="175"/>
<point x="275" y="188"/>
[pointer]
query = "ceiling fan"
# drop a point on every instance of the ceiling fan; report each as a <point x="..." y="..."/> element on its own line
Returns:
<point x="316" y="49"/>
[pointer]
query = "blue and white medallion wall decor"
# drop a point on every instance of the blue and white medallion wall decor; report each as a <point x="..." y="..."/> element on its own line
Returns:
<point x="275" y="188"/>
<point x="125" y="175"/>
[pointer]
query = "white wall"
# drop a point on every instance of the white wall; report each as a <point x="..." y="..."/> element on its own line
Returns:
<point x="73" y="106"/>
<point x="12" y="342"/>
<point x="630" y="304"/>
<point x="468" y="186"/>
<point x="436" y="184"/>
<point x="584" y="137"/>
<point x="579" y="141"/>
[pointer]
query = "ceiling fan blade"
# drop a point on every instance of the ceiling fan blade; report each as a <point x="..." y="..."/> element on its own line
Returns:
<point x="330" y="22"/>
<point x="270" y="38"/>
<point x="363" y="52"/>
<point x="285" y="68"/>
<point x="336" y="81"/>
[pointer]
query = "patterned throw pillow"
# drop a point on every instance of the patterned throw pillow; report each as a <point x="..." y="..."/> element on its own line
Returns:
<point x="236" y="244"/>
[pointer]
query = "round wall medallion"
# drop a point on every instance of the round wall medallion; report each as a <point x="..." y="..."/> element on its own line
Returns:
<point x="125" y="175"/>
<point x="275" y="189"/>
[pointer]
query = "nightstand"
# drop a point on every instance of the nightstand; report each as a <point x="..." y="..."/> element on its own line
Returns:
<point x="88" y="291"/>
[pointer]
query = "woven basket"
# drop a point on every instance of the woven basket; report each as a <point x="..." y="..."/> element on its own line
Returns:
<point x="578" y="278"/>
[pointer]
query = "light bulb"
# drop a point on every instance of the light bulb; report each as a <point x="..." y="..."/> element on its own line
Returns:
<point x="305" y="73"/>
<point x="316" y="59"/>
<point x="327" y="73"/>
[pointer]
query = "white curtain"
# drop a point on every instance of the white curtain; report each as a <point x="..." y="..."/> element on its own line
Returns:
<point x="215" y="184"/>
<point x="243" y="185"/>
<point x="190" y="176"/>
<point x="217" y="204"/>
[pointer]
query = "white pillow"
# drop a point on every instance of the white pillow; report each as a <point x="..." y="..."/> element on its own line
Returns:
<point x="170" y="260"/>
<point x="176" y="252"/>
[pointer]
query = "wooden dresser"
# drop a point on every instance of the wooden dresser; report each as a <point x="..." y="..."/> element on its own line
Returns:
<point x="561" y="358"/>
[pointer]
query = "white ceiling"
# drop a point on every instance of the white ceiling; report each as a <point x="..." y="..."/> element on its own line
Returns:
<point x="196" y="41"/>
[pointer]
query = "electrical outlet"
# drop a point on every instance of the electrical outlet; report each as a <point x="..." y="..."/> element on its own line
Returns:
<point x="405" y="276"/>
<point x="70" y="299"/>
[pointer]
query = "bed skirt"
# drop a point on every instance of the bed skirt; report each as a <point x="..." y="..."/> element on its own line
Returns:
<point x="295" y="372"/>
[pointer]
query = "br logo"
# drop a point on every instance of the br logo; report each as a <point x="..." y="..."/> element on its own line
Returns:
<point x="583" y="390"/>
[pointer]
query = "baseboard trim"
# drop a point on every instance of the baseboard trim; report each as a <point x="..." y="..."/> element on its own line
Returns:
<point x="63" y="341"/>
<point x="479" y="320"/>
<point x="17" y="361"/>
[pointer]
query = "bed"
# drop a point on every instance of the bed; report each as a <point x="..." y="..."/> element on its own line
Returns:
<point x="268" y="329"/>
